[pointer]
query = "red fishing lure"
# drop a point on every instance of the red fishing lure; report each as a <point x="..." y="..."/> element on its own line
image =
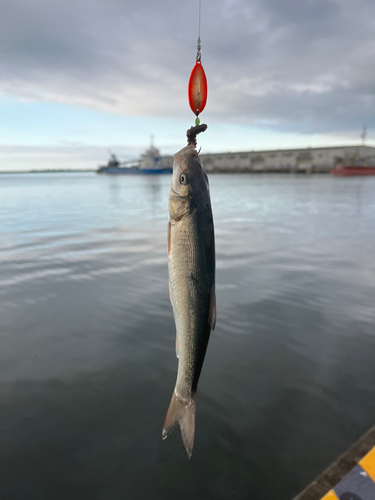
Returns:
<point x="197" y="90"/>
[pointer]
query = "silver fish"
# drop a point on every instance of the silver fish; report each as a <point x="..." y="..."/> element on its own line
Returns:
<point x="191" y="265"/>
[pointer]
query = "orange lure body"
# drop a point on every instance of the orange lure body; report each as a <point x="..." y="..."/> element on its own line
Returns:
<point x="197" y="90"/>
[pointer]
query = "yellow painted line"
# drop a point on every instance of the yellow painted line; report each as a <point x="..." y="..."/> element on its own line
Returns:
<point x="331" y="495"/>
<point x="368" y="463"/>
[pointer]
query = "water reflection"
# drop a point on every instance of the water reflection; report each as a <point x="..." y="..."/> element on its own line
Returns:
<point x="153" y="186"/>
<point x="87" y="359"/>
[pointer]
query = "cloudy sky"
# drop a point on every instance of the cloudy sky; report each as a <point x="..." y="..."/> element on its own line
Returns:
<point x="81" y="77"/>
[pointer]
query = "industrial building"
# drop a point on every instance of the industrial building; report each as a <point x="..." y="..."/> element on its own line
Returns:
<point x="308" y="160"/>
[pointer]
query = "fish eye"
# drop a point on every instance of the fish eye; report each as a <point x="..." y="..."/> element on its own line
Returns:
<point x="183" y="179"/>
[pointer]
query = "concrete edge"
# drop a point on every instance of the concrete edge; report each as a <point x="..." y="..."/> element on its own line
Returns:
<point x="335" y="472"/>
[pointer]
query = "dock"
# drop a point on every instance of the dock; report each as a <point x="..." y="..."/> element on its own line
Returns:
<point x="350" y="477"/>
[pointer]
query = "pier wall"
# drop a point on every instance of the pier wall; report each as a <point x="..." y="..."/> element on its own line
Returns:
<point x="309" y="160"/>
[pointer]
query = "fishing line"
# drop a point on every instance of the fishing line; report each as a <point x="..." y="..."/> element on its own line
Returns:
<point x="197" y="88"/>
<point x="199" y="21"/>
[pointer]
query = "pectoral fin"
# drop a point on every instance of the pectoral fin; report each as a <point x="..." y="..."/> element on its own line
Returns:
<point x="170" y="297"/>
<point x="212" y="309"/>
<point x="177" y="347"/>
<point x="169" y="237"/>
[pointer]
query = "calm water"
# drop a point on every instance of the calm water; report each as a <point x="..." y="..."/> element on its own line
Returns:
<point x="87" y="362"/>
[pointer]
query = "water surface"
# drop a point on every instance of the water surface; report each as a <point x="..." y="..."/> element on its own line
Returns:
<point x="87" y="363"/>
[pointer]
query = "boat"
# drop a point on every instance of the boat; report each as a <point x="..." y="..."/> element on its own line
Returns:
<point x="354" y="166"/>
<point x="114" y="166"/>
<point x="354" y="170"/>
<point x="150" y="164"/>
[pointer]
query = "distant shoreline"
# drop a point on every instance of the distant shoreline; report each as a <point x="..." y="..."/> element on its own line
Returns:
<point x="45" y="171"/>
<point x="211" y="172"/>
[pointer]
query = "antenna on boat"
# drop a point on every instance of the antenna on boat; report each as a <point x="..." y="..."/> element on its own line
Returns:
<point x="152" y="137"/>
<point x="363" y="135"/>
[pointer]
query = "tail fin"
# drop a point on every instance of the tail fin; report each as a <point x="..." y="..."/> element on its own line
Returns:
<point x="183" y="414"/>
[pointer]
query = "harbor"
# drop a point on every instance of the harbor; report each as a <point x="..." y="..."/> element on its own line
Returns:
<point x="338" y="160"/>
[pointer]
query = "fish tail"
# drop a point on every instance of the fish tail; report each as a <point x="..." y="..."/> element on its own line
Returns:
<point x="182" y="413"/>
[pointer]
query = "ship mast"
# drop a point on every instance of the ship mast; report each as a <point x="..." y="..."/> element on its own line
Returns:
<point x="363" y="135"/>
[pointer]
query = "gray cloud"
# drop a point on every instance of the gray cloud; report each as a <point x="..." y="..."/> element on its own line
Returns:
<point x="291" y="65"/>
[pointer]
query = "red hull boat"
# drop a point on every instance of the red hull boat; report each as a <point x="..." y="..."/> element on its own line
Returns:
<point x="352" y="170"/>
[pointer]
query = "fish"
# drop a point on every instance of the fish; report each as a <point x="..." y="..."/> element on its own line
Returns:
<point x="191" y="267"/>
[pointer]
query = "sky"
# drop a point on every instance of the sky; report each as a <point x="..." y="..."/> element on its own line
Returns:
<point x="82" y="78"/>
